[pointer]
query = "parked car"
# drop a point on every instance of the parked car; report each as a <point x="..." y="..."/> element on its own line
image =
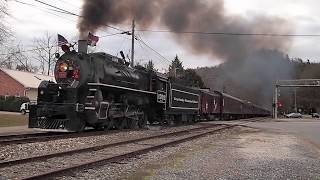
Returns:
<point x="315" y="115"/>
<point x="24" y="109"/>
<point x="294" y="115"/>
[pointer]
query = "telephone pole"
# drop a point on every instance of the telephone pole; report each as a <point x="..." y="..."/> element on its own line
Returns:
<point x="132" y="49"/>
<point x="295" y="100"/>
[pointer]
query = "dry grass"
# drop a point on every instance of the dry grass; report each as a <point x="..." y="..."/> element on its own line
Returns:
<point x="8" y="120"/>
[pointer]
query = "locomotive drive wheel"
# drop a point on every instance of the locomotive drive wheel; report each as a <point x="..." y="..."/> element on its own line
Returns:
<point x="133" y="119"/>
<point x="143" y="119"/>
<point x="120" y="123"/>
<point x="133" y="122"/>
<point x="77" y="125"/>
<point x="168" y="121"/>
<point x="108" y="125"/>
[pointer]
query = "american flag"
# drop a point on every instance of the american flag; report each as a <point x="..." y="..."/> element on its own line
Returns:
<point x="62" y="41"/>
<point x="92" y="39"/>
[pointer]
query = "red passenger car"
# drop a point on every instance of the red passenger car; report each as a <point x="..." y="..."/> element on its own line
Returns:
<point x="210" y="107"/>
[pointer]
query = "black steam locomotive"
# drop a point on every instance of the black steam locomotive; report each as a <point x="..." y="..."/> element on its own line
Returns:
<point x="101" y="91"/>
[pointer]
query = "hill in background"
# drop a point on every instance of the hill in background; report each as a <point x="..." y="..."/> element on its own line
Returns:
<point x="253" y="79"/>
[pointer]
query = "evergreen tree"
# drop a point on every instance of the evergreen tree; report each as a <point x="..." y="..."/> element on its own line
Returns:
<point x="187" y="77"/>
<point x="193" y="79"/>
<point x="176" y="69"/>
<point x="150" y="66"/>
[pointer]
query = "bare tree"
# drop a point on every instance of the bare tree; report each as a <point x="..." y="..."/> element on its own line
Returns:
<point x="12" y="55"/>
<point x="45" y="50"/>
<point x="4" y="30"/>
<point x="15" y="57"/>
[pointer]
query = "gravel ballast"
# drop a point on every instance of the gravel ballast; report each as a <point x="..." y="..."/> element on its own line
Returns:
<point x="33" y="168"/>
<point x="18" y="151"/>
<point x="237" y="153"/>
<point x="240" y="153"/>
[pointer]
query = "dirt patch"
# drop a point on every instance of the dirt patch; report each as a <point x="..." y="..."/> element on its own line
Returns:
<point x="267" y="146"/>
<point x="9" y="120"/>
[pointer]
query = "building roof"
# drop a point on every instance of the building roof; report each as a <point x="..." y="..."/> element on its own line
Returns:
<point x="27" y="79"/>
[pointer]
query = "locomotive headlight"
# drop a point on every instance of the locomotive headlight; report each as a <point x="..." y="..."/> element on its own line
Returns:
<point x="63" y="67"/>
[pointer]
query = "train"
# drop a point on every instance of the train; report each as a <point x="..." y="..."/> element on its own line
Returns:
<point x="104" y="92"/>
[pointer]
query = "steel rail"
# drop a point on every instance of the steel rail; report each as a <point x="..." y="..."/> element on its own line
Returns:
<point x="12" y="136"/>
<point x="99" y="147"/>
<point x="103" y="161"/>
<point x="45" y="137"/>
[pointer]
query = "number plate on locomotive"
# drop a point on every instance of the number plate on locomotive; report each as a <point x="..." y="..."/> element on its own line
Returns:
<point x="161" y="97"/>
<point x="62" y="75"/>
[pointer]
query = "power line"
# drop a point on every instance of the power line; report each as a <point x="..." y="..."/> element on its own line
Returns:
<point x="108" y="35"/>
<point x="146" y="54"/>
<point x="55" y="7"/>
<point x="60" y="10"/>
<point x="29" y="50"/>
<point x="47" y="10"/>
<point x="230" y="33"/>
<point x="140" y="39"/>
<point x="73" y="14"/>
<point x="63" y="11"/>
<point x="35" y="49"/>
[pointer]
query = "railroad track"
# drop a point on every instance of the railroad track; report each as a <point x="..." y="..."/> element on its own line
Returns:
<point x="144" y="145"/>
<point x="28" y="138"/>
<point x="49" y="136"/>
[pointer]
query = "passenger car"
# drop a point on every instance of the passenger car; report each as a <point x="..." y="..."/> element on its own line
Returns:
<point x="294" y="115"/>
<point x="315" y="115"/>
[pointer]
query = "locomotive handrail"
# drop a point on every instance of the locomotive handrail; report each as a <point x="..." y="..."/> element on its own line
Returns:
<point x="120" y="87"/>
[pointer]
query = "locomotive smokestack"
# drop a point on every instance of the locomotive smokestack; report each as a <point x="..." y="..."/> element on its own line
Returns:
<point x="83" y="46"/>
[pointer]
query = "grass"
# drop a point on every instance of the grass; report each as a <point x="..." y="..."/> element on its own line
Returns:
<point x="9" y="120"/>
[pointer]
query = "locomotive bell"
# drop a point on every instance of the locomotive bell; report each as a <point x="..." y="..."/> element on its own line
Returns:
<point x="83" y="46"/>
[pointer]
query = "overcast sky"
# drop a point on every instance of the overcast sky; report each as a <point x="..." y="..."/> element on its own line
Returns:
<point x="29" y="22"/>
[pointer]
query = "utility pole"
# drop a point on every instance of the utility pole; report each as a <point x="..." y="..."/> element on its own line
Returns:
<point x="295" y="100"/>
<point x="276" y="102"/>
<point x="132" y="48"/>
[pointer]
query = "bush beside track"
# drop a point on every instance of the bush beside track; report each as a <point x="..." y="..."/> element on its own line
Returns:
<point x="11" y="103"/>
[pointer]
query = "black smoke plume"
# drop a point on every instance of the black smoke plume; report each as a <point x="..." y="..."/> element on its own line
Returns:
<point x="190" y="15"/>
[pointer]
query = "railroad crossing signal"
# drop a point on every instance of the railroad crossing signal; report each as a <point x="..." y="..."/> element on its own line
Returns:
<point x="291" y="84"/>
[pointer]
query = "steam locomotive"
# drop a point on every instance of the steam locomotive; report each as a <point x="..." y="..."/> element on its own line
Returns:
<point x="102" y="91"/>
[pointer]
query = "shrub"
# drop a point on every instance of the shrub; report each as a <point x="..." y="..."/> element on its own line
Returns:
<point x="11" y="103"/>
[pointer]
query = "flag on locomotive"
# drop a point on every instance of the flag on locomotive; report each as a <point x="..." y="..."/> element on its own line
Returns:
<point x="62" y="41"/>
<point x="92" y="39"/>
